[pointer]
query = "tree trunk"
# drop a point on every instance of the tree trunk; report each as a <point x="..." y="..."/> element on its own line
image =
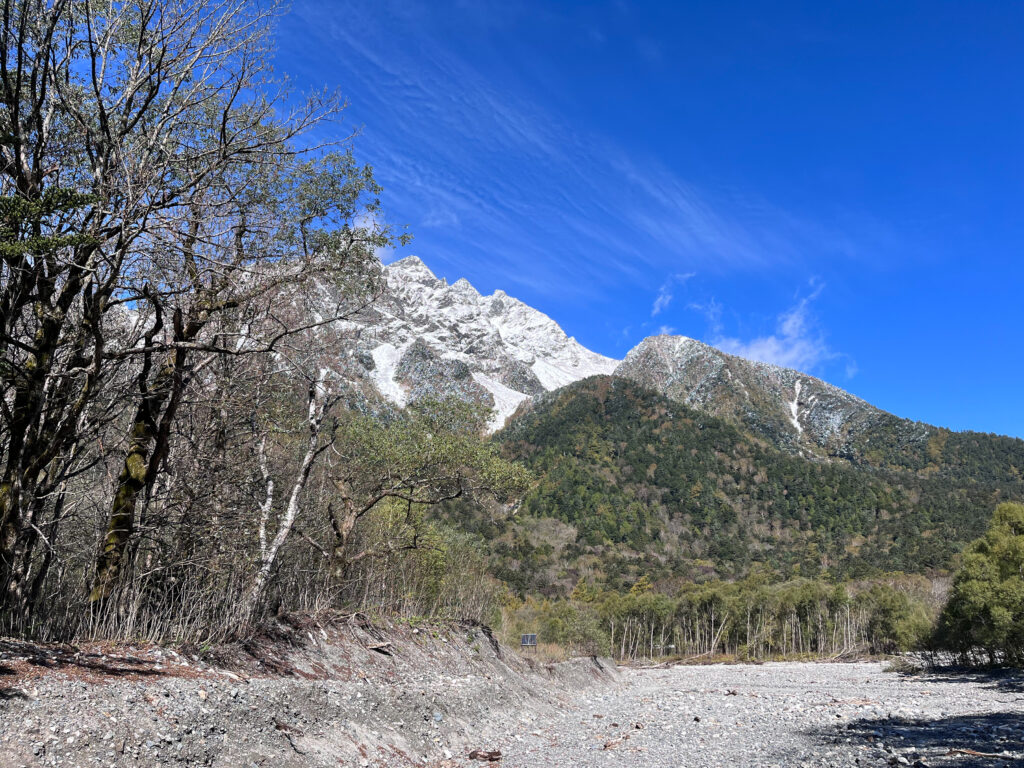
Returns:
<point x="318" y="406"/>
<point x="343" y="524"/>
<point x="28" y="453"/>
<point x="149" y="438"/>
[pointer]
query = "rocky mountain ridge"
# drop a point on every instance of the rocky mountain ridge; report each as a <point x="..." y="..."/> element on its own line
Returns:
<point x="790" y="409"/>
<point x="425" y="337"/>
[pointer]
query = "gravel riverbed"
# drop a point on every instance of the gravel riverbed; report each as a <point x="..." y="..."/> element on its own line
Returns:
<point x="402" y="696"/>
<point x="783" y="714"/>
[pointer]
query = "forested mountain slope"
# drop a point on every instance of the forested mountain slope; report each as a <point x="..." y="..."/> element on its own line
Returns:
<point x="631" y="483"/>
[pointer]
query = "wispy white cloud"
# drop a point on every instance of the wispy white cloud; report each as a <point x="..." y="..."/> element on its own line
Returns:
<point x="440" y="218"/>
<point x="664" y="297"/>
<point x="662" y="301"/>
<point x="712" y="312"/>
<point x="666" y="330"/>
<point x="563" y="212"/>
<point x="796" y="343"/>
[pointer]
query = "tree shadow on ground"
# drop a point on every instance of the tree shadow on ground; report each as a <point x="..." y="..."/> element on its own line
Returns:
<point x="17" y="656"/>
<point x="1007" y="681"/>
<point x="946" y="741"/>
<point x="1002" y="679"/>
<point x="5" y="692"/>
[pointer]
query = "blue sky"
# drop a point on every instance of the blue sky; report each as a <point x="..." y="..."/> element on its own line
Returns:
<point x="836" y="187"/>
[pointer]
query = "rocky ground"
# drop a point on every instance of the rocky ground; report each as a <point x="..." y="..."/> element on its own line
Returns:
<point x="365" y="696"/>
<point x="351" y="695"/>
<point x="784" y="714"/>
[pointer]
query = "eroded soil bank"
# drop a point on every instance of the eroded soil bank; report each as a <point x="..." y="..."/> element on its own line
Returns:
<point x="364" y="696"/>
<point x="353" y="694"/>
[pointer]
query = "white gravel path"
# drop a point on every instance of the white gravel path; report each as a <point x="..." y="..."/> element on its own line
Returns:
<point x="785" y="714"/>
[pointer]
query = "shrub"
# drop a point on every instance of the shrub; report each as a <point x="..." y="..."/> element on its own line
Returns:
<point x="984" y="618"/>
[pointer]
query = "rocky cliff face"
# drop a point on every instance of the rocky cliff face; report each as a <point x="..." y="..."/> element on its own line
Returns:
<point x="426" y="338"/>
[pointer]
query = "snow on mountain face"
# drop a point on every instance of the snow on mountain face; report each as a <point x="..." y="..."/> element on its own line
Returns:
<point x="424" y="338"/>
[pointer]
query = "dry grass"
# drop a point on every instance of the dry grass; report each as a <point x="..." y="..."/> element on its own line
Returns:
<point x="545" y="653"/>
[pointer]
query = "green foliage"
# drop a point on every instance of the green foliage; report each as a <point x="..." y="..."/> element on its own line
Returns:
<point x="386" y="473"/>
<point x="576" y="626"/>
<point x="337" y="206"/>
<point x="444" y="576"/>
<point x="984" y="618"/>
<point x="430" y="451"/>
<point x="896" y="622"/>
<point x="23" y="223"/>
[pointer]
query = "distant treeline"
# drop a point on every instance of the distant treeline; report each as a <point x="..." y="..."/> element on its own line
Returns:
<point x="981" y="622"/>
<point x="748" y="620"/>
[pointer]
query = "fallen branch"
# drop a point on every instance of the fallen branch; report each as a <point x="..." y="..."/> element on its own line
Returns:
<point x="287" y="731"/>
<point x="384" y="648"/>
<point x="976" y="753"/>
<point x="615" y="742"/>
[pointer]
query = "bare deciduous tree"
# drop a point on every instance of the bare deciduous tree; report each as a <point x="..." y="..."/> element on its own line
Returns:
<point x="150" y="181"/>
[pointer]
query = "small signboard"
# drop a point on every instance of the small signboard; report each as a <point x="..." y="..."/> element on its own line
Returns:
<point x="529" y="641"/>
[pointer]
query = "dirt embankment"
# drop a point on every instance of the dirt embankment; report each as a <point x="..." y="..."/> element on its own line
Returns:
<point x="351" y="694"/>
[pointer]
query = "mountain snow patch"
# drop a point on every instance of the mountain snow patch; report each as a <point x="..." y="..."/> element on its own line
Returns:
<point x="385" y="361"/>
<point x="794" y="406"/>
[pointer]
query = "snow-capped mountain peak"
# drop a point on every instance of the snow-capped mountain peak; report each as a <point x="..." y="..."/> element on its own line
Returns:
<point x="426" y="337"/>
